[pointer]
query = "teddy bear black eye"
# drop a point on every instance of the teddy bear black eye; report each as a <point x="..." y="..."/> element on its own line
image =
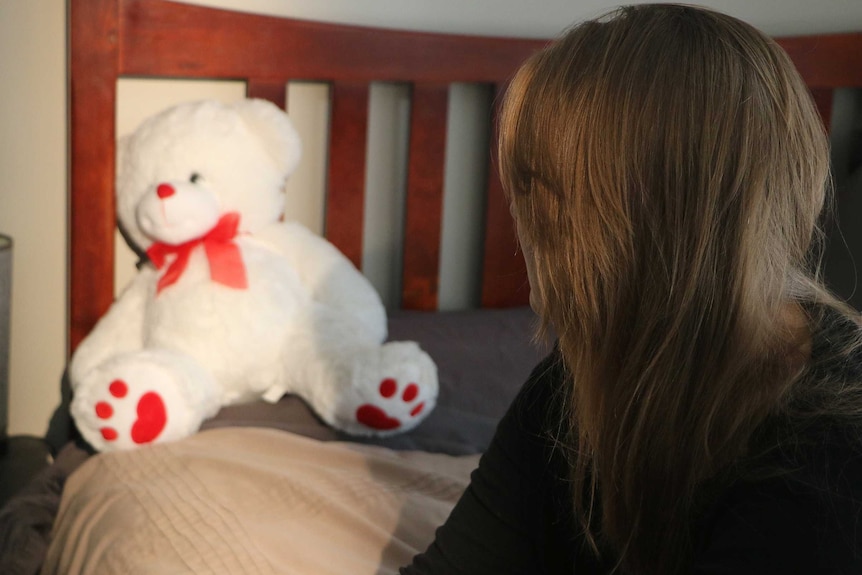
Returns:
<point x="195" y="178"/>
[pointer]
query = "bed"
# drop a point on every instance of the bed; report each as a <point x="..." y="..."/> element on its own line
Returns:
<point x="267" y="488"/>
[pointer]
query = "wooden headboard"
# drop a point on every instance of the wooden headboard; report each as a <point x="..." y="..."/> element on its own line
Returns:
<point x="156" y="38"/>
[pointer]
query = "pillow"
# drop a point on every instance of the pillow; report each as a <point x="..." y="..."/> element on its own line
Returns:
<point x="483" y="357"/>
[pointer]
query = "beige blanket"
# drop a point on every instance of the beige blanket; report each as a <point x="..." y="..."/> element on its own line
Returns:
<point x="251" y="500"/>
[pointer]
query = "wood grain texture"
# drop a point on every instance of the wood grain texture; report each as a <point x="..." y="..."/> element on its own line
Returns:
<point x="92" y="93"/>
<point x="828" y="60"/>
<point x="425" y="175"/>
<point x="345" y="200"/>
<point x="177" y="40"/>
<point x="823" y="99"/>
<point x="274" y="91"/>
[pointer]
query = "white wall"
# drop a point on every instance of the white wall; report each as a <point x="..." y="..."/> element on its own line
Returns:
<point x="544" y="18"/>
<point x="33" y="201"/>
<point x="33" y="152"/>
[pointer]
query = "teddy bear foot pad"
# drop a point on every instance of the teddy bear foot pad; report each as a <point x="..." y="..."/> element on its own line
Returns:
<point x="151" y="415"/>
<point x="376" y="417"/>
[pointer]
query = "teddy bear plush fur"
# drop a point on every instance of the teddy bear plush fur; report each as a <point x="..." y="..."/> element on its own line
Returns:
<point x="236" y="302"/>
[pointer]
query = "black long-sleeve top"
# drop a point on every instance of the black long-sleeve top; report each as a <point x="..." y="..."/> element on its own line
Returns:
<point x="516" y="516"/>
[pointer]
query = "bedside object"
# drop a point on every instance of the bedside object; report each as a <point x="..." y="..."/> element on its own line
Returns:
<point x="23" y="457"/>
<point x="5" y="316"/>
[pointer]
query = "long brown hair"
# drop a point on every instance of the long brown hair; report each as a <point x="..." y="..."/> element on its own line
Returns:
<point x="665" y="167"/>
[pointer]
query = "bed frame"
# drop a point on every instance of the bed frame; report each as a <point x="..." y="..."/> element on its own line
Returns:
<point x="156" y="38"/>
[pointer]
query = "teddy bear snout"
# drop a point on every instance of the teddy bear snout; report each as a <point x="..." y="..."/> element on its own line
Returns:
<point x="165" y="191"/>
<point x="174" y="212"/>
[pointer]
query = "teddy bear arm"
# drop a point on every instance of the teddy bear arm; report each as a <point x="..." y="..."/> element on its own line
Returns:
<point x="330" y="277"/>
<point x="346" y="290"/>
<point x="119" y="330"/>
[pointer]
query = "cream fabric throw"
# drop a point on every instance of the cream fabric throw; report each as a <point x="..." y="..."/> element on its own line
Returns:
<point x="253" y="500"/>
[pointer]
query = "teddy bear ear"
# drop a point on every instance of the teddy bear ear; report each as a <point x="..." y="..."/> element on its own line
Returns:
<point x="272" y="125"/>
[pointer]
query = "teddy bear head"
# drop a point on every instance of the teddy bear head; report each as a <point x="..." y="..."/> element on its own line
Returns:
<point x="182" y="171"/>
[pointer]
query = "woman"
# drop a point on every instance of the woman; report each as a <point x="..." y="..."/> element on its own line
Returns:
<point x="701" y="412"/>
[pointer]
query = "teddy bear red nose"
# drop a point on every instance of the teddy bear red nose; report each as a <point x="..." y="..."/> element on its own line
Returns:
<point x="165" y="191"/>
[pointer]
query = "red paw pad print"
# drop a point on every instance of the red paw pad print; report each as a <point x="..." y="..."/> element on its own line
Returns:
<point x="375" y="417"/>
<point x="151" y="414"/>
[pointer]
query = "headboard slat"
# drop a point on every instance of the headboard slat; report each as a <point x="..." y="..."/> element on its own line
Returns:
<point x="271" y="90"/>
<point x="93" y="92"/>
<point x="503" y="271"/>
<point x="425" y="175"/>
<point x="346" y="172"/>
<point x="823" y="98"/>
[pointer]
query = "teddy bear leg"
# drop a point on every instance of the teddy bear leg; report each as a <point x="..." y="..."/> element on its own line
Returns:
<point x="143" y="397"/>
<point x="372" y="389"/>
<point x="397" y="390"/>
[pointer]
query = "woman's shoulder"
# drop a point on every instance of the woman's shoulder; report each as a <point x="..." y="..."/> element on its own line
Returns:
<point x="532" y="432"/>
<point x="541" y="404"/>
<point x="819" y="436"/>
<point x="805" y="518"/>
<point x="836" y="342"/>
<point x="794" y="503"/>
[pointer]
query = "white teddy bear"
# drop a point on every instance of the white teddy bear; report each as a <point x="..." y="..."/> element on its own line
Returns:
<point x="236" y="304"/>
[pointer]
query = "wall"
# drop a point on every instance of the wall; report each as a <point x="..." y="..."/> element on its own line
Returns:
<point x="33" y="152"/>
<point x="544" y="18"/>
<point x="33" y="201"/>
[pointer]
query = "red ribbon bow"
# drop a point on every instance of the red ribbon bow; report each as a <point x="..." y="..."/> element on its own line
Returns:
<point x="223" y="255"/>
